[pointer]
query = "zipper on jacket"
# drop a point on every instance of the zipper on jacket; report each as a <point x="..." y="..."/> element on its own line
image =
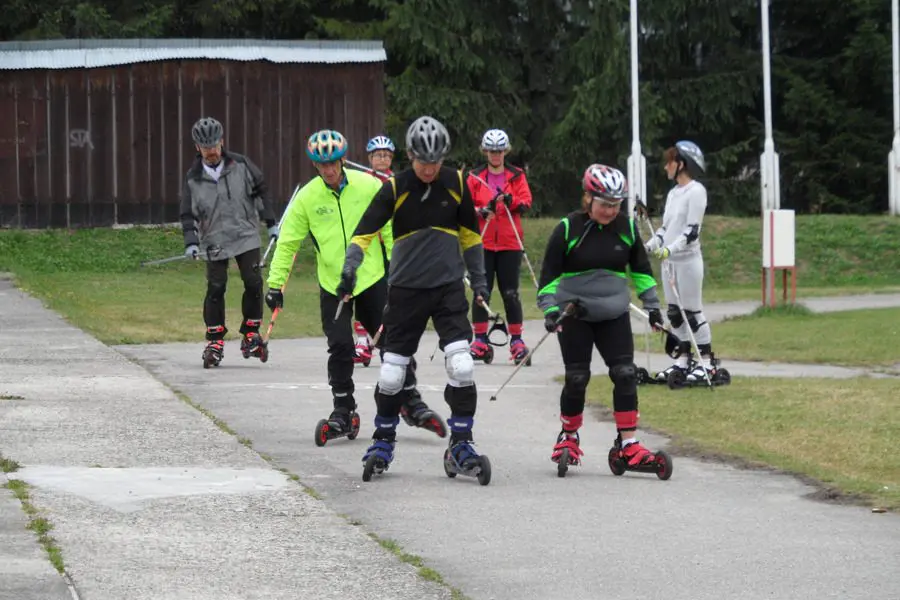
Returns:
<point x="337" y="198"/>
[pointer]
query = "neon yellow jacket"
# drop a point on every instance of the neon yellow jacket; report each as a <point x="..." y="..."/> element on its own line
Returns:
<point x="330" y="219"/>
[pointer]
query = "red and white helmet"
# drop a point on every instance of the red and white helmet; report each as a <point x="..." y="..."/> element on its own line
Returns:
<point x="605" y="182"/>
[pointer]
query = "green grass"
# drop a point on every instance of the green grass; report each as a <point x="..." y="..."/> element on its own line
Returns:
<point x="840" y="433"/>
<point x="38" y="524"/>
<point x="853" y="338"/>
<point x="94" y="278"/>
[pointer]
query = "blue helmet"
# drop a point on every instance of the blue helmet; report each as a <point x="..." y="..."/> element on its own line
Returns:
<point x="326" y="145"/>
<point x="380" y="142"/>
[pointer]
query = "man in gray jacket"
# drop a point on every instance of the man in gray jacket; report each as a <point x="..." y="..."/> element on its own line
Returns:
<point x="223" y="200"/>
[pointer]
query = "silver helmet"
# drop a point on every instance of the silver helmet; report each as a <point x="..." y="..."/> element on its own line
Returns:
<point x="207" y="132"/>
<point x="428" y="140"/>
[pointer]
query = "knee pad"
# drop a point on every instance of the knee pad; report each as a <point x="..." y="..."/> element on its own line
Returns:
<point x="215" y="291"/>
<point x="624" y="377"/>
<point x="253" y="282"/>
<point x="694" y="319"/>
<point x="577" y="377"/>
<point x="392" y="374"/>
<point x="459" y="364"/>
<point x="674" y="314"/>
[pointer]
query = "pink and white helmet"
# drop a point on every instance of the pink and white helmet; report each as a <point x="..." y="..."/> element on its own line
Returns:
<point x="605" y="182"/>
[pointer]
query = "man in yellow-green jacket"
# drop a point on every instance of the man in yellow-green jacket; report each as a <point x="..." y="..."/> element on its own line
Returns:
<point x="328" y="209"/>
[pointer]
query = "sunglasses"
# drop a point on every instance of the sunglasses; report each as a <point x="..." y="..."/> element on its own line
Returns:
<point x="610" y="202"/>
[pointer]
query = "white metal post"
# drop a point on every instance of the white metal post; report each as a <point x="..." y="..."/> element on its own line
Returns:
<point x="894" y="156"/>
<point x="637" y="164"/>
<point x="771" y="193"/>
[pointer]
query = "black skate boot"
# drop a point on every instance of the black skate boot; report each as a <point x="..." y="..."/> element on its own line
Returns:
<point x="252" y="345"/>
<point x="343" y="422"/>
<point x="460" y="457"/>
<point x="518" y="352"/>
<point x="213" y="353"/>
<point x="380" y="454"/>
<point x="480" y="349"/>
<point x="416" y="413"/>
<point x="717" y="375"/>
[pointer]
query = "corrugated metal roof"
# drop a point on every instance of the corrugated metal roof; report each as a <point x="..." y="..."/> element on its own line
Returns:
<point x="71" y="54"/>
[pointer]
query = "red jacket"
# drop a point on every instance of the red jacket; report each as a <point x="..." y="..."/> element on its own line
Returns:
<point x="498" y="233"/>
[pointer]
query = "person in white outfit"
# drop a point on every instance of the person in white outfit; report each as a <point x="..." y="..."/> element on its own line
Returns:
<point x="677" y="244"/>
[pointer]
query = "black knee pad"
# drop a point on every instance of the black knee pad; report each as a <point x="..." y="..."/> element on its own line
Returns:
<point x="624" y="377"/>
<point x="461" y="400"/>
<point x="215" y="291"/>
<point x="578" y="376"/>
<point x="253" y="282"/>
<point x="693" y="323"/>
<point x="674" y="314"/>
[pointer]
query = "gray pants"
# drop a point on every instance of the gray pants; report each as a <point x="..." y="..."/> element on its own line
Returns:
<point x="688" y="276"/>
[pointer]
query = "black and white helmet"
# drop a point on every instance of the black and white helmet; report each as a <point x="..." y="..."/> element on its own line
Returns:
<point x="428" y="140"/>
<point x="495" y="139"/>
<point x="692" y="156"/>
<point x="207" y="132"/>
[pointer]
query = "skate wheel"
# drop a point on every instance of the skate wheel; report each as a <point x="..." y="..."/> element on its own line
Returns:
<point x="643" y="376"/>
<point x="663" y="465"/>
<point x="321" y="433"/>
<point x="722" y="377"/>
<point x="563" y="465"/>
<point x="676" y="379"/>
<point x="354" y="427"/>
<point x="528" y="362"/>
<point x="448" y="461"/>
<point x="206" y="363"/>
<point x="366" y="363"/>
<point x="616" y="464"/>
<point x="484" y="473"/>
<point x="263" y="353"/>
<point x="488" y="357"/>
<point x="369" y="467"/>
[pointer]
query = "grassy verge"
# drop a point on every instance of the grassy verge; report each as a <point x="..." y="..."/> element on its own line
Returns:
<point x="853" y="338"/>
<point x="36" y="523"/>
<point x="841" y="434"/>
<point x="93" y="277"/>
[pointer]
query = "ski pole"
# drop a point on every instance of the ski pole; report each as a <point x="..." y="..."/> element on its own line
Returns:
<point x="671" y="275"/>
<point x="262" y="263"/>
<point x="360" y="167"/>
<point x="566" y="313"/>
<point x="163" y="261"/>
<point x="278" y="309"/>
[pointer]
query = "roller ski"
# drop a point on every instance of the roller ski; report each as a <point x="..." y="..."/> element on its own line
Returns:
<point x="481" y="350"/>
<point x="341" y="423"/>
<point x="377" y="458"/>
<point x="460" y="458"/>
<point x="518" y="352"/>
<point x="253" y="345"/>
<point x="416" y="413"/>
<point x="635" y="457"/>
<point x="567" y="452"/>
<point x="213" y="353"/>
<point x="363" y="354"/>
<point x="693" y="375"/>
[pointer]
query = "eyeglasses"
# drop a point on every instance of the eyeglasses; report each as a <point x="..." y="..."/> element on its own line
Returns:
<point x="607" y="202"/>
<point x="385" y="154"/>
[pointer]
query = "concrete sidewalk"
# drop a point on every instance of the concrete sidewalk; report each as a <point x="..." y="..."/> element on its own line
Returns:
<point x="148" y="498"/>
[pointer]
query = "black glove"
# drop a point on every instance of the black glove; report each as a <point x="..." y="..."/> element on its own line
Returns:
<point x="347" y="284"/>
<point x="274" y="299"/>
<point x="551" y="321"/>
<point x="484" y="213"/>
<point x="656" y="320"/>
<point x="482" y="291"/>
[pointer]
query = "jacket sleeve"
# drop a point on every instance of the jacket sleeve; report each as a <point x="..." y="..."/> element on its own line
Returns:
<point x="376" y="217"/>
<point x="260" y="192"/>
<point x="188" y="218"/>
<point x="470" y="238"/>
<point x="294" y="229"/>
<point x="696" y="210"/>
<point x="479" y="199"/>
<point x="552" y="266"/>
<point x="521" y="194"/>
<point x="641" y="271"/>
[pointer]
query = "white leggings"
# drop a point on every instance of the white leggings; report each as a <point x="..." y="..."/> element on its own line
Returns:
<point x="689" y="282"/>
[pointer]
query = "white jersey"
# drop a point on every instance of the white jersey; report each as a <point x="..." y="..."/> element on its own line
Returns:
<point x="682" y="220"/>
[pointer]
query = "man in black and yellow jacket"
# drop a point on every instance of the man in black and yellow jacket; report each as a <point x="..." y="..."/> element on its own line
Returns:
<point x="436" y="240"/>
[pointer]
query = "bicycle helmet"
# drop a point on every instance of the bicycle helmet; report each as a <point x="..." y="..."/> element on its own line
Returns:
<point x="207" y="132"/>
<point x="326" y="145"/>
<point x="601" y="181"/>
<point x="495" y="140"/>
<point x="380" y="142"/>
<point x="692" y="156"/>
<point x="428" y="140"/>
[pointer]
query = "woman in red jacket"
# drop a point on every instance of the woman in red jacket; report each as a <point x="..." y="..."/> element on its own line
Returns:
<point x="501" y="195"/>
